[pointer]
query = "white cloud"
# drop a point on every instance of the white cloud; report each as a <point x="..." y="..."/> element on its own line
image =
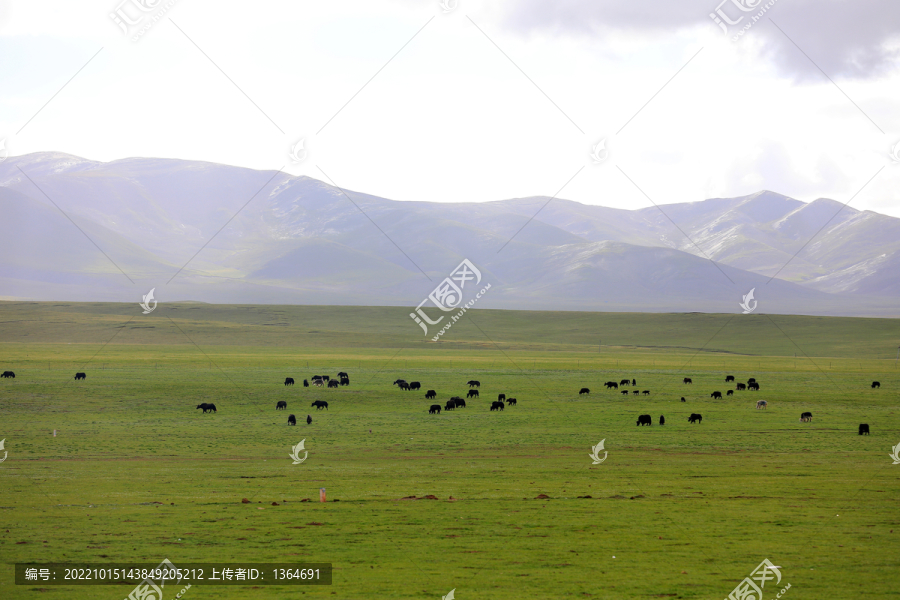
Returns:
<point x="451" y="118"/>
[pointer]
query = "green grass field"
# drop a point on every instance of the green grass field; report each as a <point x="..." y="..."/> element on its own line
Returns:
<point x="137" y="474"/>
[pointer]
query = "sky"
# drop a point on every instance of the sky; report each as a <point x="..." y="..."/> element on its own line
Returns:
<point x="624" y="103"/>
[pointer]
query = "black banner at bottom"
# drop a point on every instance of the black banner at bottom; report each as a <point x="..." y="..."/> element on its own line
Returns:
<point x="165" y="574"/>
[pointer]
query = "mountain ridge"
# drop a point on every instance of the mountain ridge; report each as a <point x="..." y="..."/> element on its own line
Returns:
<point x="298" y="239"/>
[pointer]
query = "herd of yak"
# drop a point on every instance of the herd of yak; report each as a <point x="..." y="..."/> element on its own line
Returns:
<point x="751" y="385"/>
<point x="456" y="402"/>
<point x="502" y="401"/>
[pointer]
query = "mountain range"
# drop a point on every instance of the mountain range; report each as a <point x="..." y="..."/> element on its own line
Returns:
<point x="81" y="230"/>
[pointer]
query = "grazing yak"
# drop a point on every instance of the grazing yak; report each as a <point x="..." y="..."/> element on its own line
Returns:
<point x="729" y="378"/>
<point x="695" y="418"/>
<point x="624" y="382"/>
<point x="343" y="374"/>
<point x="635" y="392"/>
<point x="497" y="405"/>
<point x="80" y="376"/>
<point x="512" y="402"/>
<point x="292" y="420"/>
<point x="399" y="381"/>
<point x="729" y="393"/>
<point x="634" y="382"/>
<point x="460" y="403"/>
<point x="333" y="383"/>
<point x="472" y="394"/>
<point x="611" y="385"/>
<point x="875" y="384"/>
<point x="473" y="383"/>
<point x="415" y="385"/>
<point x="288" y="381"/>
<point x="863" y="428"/>
<point x="644" y="420"/>
<point x="682" y="399"/>
<point x="662" y="420"/>
<point x="430" y="394"/>
<point x="435" y="409"/>
<point x="751" y="380"/>
<point x="403" y="386"/>
<point x="741" y="386"/>
<point x="305" y="383"/>
<point x="501" y="397"/>
<point x="762" y="404"/>
<point x="753" y="386"/>
<point x="688" y="380"/>
<point x="308" y="420"/>
<point x="8" y="374"/>
<point x="207" y="407"/>
<point x="625" y="392"/>
<point x="345" y="381"/>
<point x="320" y="404"/>
<point x="281" y="405"/>
<point x="716" y="395"/>
<point x="806" y="417"/>
<point x="584" y="391"/>
<point x="318" y="382"/>
<point x="646" y="392"/>
<point x="451" y="404"/>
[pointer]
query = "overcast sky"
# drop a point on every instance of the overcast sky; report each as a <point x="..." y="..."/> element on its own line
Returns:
<point x="486" y="101"/>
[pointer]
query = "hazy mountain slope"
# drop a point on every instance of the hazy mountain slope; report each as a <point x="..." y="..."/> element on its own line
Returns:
<point x="38" y="239"/>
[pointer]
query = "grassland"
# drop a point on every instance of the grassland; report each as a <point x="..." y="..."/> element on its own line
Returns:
<point x="136" y="473"/>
